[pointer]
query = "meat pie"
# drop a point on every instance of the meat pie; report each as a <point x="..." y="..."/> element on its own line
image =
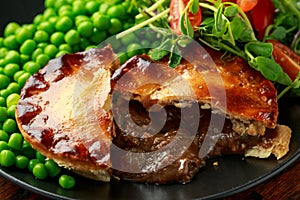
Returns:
<point x="233" y="107"/>
<point x="65" y="112"/>
<point x="146" y="122"/>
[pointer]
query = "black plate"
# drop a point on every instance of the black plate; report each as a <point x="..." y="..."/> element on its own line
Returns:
<point x="234" y="173"/>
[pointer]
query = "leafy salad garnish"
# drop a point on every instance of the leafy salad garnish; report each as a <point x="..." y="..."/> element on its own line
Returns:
<point x="225" y="26"/>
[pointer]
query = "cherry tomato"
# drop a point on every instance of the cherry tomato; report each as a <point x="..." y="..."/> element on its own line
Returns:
<point x="176" y="9"/>
<point x="262" y="16"/>
<point x="286" y="58"/>
<point x="246" y="5"/>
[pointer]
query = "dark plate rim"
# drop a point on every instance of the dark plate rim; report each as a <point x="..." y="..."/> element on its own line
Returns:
<point x="288" y="163"/>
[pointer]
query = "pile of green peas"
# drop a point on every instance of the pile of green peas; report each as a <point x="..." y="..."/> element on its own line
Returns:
<point x="65" y="26"/>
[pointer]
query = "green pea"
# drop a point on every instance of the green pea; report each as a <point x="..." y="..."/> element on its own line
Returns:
<point x="67" y="13"/>
<point x="98" y="36"/>
<point x="41" y="36"/>
<point x="42" y="59"/>
<point x="14" y="87"/>
<point x="92" y="7"/>
<point x="3" y="114"/>
<point x="23" y="78"/>
<point x="49" y="12"/>
<point x="64" y="8"/>
<point x="12" y="99"/>
<point x="133" y="49"/>
<point x="15" y="141"/>
<point x="57" y="38"/>
<point x="2" y="101"/>
<point x="24" y="58"/>
<point x="3" y="137"/>
<point x="64" y="24"/>
<point x="12" y="56"/>
<point x="46" y="26"/>
<point x="3" y="52"/>
<point x="32" y="163"/>
<point x="103" y="8"/>
<point x="11" y="111"/>
<point x="59" y="3"/>
<point x="21" y="162"/>
<point x="3" y="146"/>
<point x="61" y="53"/>
<point x="65" y="47"/>
<point x="72" y="37"/>
<point x="66" y="181"/>
<point x="30" y="27"/>
<point x="116" y="26"/>
<point x="9" y="125"/>
<point x="42" y="45"/>
<point x="11" y="68"/>
<point x="38" y="19"/>
<point x="7" y="158"/>
<point x="5" y="93"/>
<point x="129" y="39"/>
<point x="127" y="25"/>
<point x="11" y="28"/>
<point x="23" y="34"/>
<point x="116" y="44"/>
<point x="27" y="150"/>
<point x="2" y="64"/>
<point x="40" y="171"/>
<point x="100" y="21"/>
<point x="11" y="42"/>
<point x="18" y="74"/>
<point x="40" y="157"/>
<point x="145" y="43"/>
<point x="51" y="50"/>
<point x="81" y="18"/>
<point x="116" y="11"/>
<point x="123" y="57"/>
<point x="49" y="3"/>
<point x="31" y="67"/>
<point x="78" y="8"/>
<point x="4" y="80"/>
<point x="37" y="51"/>
<point x="28" y="47"/>
<point x="52" y="168"/>
<point x="85" y="29"/>
<point x="53" y="20"/>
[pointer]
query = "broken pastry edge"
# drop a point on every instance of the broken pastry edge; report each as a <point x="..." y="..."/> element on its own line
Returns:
<point x="279" y="148"/>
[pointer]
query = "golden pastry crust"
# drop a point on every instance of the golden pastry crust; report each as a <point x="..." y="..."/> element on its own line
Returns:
<point x="239" y="91"/>
<point x="65" y="112"/>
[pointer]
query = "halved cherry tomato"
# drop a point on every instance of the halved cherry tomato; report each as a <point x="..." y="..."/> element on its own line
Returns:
<point x="247" y="5"/>
<point x="262" y="16"/>
<point x="286" y="58"/>
<point x="176" y="9"/>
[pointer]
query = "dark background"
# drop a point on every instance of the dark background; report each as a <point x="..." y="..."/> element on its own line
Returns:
<point x="21" y="11"/>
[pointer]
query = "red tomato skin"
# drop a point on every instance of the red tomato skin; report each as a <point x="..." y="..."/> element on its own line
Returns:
<point x="286" y="58"/>
<point x="247" y="5"/>
<point x="262" y="16"/>
<point x="176" y="8"/>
